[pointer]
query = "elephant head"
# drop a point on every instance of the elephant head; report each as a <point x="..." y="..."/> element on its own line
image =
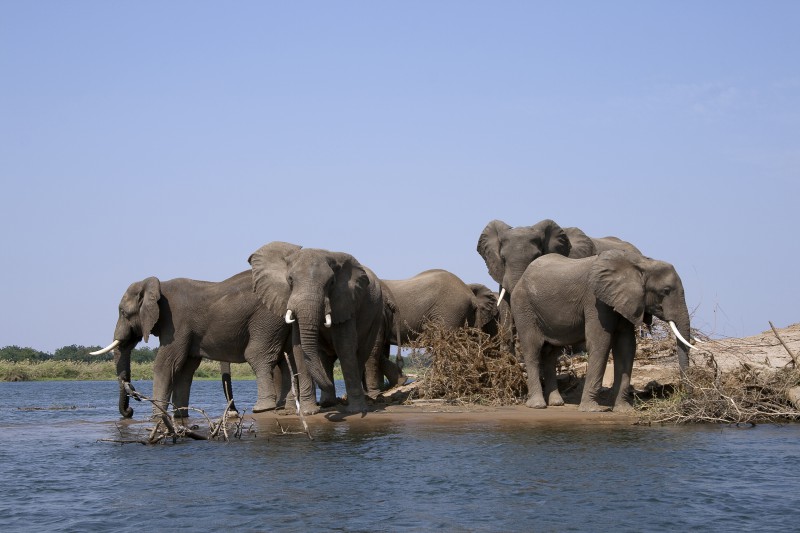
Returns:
<point x="311" y="288"/>
<point x="138" y="318"/>
<point x="508" y="251"/>
<point x="639" y="288"/>
<point x="487" y="313"/>
<point x="581" y="245"/>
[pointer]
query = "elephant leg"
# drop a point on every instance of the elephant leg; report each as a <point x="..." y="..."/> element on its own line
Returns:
<point x="169" y="357"/>
<point x="328" y="360"/>
<point x="302" y="380"/>
<point x="531" y="345"/>
<point x="624" y="349"/>
<point x="262" y="364"/>
<point x="281" y="378"/>
<point x="227" y="387"/>
<point x="182" y="387"/>
<point x="598" y="341"/>
<point x="393" y="371"/>
<point x="373" y="375"/>
<point x="345" y="343"/>
<point x="550" y="355"/>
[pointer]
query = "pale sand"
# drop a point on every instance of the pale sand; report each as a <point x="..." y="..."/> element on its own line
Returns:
<point x="434" y="413"/>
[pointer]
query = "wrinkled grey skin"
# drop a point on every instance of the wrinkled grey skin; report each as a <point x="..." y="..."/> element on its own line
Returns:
<point x="193" y="319"/>
<point x="379" y="365"/>
<point x="441" y="296"/>
<point x="280" y="377"/>
<point x="436" y="295"/>
<point x="602" y="299"/>
<point x="508" y="251"/>
<point x="581" y="245"/>
<point x="311" y="283"/>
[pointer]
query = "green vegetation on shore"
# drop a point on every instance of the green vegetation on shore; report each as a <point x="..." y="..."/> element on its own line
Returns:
<point x="102" y="370"/>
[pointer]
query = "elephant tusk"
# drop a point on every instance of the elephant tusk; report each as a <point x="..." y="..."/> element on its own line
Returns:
<point x="328" y="321"/>
<point x="680" y="337"/>
<point x="500" y="298"/>
<point x="288" y="317"/>
<point x="106" y="349"/>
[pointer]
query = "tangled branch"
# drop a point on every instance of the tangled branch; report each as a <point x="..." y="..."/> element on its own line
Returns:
<point x="465" y="365"/>
<point x="169" y="429"/>
<point x="746" y="395"/>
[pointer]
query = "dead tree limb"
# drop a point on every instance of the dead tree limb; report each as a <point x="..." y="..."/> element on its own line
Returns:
<point x="775" y="331"/>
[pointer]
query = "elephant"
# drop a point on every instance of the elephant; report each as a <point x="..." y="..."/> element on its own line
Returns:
<point x="280" y="376"/>
<point x="508" y="250"/>
<point x="436" y="295"/>
<point x="193" y="319"/>
<point x="441" y="296"/>
<point x="581" y="245"/>
<point x="379" y="365"/>
<point x="336" y="309"/>
<point x="601" y="299"/>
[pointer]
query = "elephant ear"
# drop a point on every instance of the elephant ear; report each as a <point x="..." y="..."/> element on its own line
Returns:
<point x="148" y="306"/>
<point x="489" y="248"/>
<point x="349" y="286"/>
<point x="617" y="280"/>
<point x="269" y="274"/>
<point x="581" y="245"/>
<point x="555" y="239"/>
<point x="485" y="303"/>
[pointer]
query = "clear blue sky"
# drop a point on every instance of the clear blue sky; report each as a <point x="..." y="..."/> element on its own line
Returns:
<point x="175" y="138"/>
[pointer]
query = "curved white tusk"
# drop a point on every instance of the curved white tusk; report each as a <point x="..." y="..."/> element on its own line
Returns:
<point x="288" y="317"/>
<point x="106" y="349"/>
<point x="502" y="293"/>
<point x="328" y="321"/>
<point x="680" y="337"/>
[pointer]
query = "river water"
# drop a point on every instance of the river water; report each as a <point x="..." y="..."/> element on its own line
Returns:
<point x="56" y="473"/>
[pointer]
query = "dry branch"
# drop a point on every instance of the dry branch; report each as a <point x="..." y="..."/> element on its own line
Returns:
<point x="465" y="365"/>
<point x="168" y="428"/>
<point x="775" y="331"/>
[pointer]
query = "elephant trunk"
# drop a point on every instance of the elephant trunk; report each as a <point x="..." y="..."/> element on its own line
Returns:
<point x="308" y="318"/>
<point x="122" y="359"/>
<point x="681" y="327"/>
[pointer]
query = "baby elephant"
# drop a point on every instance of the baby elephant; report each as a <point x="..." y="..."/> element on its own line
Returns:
<point x="599" y="299"/>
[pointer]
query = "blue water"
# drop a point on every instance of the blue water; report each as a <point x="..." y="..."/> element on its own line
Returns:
<point x="57" y="475"/>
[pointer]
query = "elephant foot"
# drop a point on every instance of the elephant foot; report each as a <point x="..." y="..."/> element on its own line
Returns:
<point x="555" y="399"/>
<point x="356" y="407"/>
<point x="309" y="408"/>
<point x="623" y="407"/>
<point x="402" y="380"/>
<point x="591" y="406"/>
<point x="536" y="403"/>
<point x="264" y="405"/>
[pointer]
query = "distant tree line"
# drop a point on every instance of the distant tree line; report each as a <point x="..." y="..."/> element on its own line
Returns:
<point x="73" y="352"/>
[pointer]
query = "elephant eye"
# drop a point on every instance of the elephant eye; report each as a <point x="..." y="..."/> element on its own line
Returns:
<point x="289" y="280"/>
<point x="666" y="291"/>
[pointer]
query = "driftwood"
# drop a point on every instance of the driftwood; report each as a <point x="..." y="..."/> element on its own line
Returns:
<point x="169" y="429"/>
<point x="775" y="331"/>
<point x="746" y="395"/>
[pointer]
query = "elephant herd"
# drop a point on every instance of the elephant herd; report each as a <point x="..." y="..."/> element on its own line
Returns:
<point x="297" y="310"/>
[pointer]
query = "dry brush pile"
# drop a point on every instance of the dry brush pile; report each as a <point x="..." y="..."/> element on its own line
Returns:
<point x="467" y="366"/>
